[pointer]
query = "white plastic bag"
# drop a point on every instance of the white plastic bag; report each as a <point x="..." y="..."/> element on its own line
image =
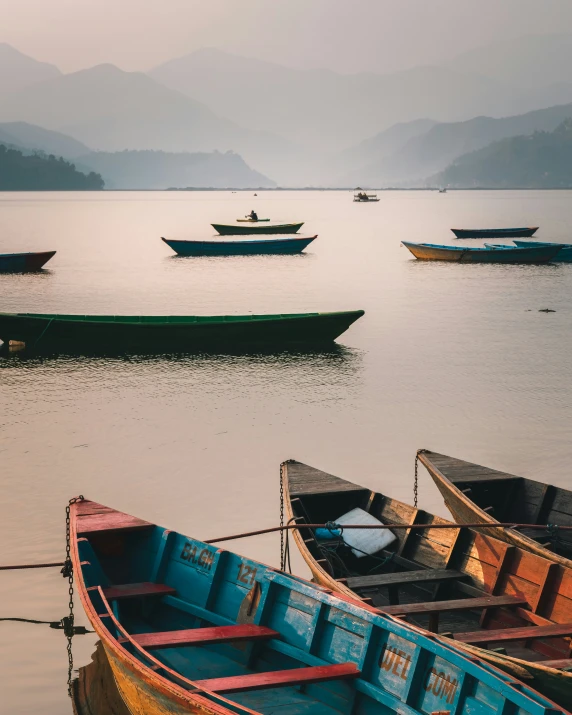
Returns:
<point x="369" y="541"/>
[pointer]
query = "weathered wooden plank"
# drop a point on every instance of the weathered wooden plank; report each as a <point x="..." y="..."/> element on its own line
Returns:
<point x="132" y="590"/>
<point x="303" y="479"/>
<point x="562" y="664"/>
<point x="404" y="577"/>
<point x="280" y="678"/>
<point x="461" y="604"/>
<point x="458" y="471"/>
<point x="109" y="521"/>
<point x="515" y="634"/>
<point x="204" y="636"/>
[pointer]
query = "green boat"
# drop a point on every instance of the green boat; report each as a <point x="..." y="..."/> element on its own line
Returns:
<point x="173" y="333"/>
<point x="234" y="230"/>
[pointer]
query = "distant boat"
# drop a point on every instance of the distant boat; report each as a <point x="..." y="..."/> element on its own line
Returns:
<point x="443" y="191"/>
<point x="252" y="220"/>
<point x="24" y="262"/>
<point x="436" y="252"/>
<point x="189" y="627"/>
<point x="177" y="333"/>
<point x="233" y="230"/>
<point x="365" y="198"/>
<point x="240" y="248"/>
<point x="495" y="232"/>
<point x="563" y="256"/>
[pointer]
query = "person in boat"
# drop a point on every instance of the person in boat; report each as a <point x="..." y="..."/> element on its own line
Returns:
<point x="253" y="216"/>
<point x="363" y="196"/>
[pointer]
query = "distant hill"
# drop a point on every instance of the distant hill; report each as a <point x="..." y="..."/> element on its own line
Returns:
<point x="31" y="137"/>
<point x="434" y="150"/>
<point x="40" y="172"/>
<point x="542" y="160"/>
<point x="162" y="170"/>
<point x="18" y="70"/>
<point x="112" y="110"/>
<point x="327" y="111"/>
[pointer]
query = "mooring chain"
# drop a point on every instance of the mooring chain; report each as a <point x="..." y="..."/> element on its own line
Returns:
<point x="416" y="480"/>
<point x="67" y="572"/>
<point x="282" y="553"/>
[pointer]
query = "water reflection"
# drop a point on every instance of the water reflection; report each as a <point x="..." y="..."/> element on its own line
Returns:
<point x="94" y="691"/>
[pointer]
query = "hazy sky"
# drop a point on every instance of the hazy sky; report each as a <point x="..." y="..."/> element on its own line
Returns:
<point x="346" y="35"/>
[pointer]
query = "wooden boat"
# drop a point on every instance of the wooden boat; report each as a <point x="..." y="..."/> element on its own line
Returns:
<point x="233" y="230"/>
<point x="437" y="252"/>
<point x="563" y="256"/>
<point x="175" y="332"/>
<point x="481" y="495"/>
<point x="523" y="232"/>
<point x="478" y="589"/>
<point x="363" y="198"/>
<point x="94" y="691"/>
<point x="251" y="247"/>
<point x="24" y="262"/>
<point x="252" y="220"/>
<point x="191" y="628"/>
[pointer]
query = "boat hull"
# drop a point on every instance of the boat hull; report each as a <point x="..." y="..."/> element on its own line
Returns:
<point x="175" y="333"/>
<point x="522" y="232"/>
<point x="24" y="262"/>
<point x="232" y="230"/>
<point x="464" y="510"/>
<point x="563" y="256"/>
<point x="264" y="246"/>
<point x="430" y="252"/>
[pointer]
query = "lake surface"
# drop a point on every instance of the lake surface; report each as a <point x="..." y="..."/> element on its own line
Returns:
<point x="454" y="358"/>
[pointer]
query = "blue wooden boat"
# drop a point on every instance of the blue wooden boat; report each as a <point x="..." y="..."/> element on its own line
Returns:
<point x="437" y="252"/>
<point x="24" y="262"/>
<point x="252" y="247"/>
<point x="563" y="256"/>
<point x="523" y="232"/>
<point x="176" y="333"/>
<point x="191" y="628"/>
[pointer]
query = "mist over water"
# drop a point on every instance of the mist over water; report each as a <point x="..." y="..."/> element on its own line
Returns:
<point x="455" y="358"/>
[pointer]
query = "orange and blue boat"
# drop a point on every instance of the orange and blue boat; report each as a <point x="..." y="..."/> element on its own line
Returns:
<point x="24" y="262"/>
<point x="188" y="627"/>
<point x="487" y="254"/>
<point x="251" y="247"/>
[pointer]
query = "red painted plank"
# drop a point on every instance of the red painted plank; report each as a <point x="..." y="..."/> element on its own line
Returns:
<point x="516" y="634"/>
<point x="203" y="636"/>
<point x="280" y="678"/>
<point x="562" y="663"/>
<point x="113" y="521"/>
<point x="463" y="604"/>
<point x="131" y="590"/>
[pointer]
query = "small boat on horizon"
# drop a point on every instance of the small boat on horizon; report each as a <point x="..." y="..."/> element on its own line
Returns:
<point x="365" y="198"/>
<point x="525" y="232"/>
<point x="253" y="247"/>
<point x="24" y="262"/>
<point x="466" y="254"/>
<point x="174" y="333"/>
<point x="233" y="230"/>
<point x="188" y="627"/>
<point x="461" y="582"/>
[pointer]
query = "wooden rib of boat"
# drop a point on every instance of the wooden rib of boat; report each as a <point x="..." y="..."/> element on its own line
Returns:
<point x="253" y="247"/>
<point x="175" y="332"/>
<point x="191" y="628"/>
<point x="479" y="589"/>
<point x="563" y="256"/>
<point x="438" y="252"/>
<point x="522" y="232"/>
<point x="234" y="230"/>
<point x="481" y="495"/>
<point x="24" y="262"/>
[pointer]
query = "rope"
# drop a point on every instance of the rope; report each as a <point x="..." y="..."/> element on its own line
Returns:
<point x="31" y="566"/>
<point x="44" y="331"/>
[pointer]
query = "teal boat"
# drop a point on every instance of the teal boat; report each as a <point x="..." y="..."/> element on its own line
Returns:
<point x="234" y="230"/>
<point x="506" y="254"/>
<point x="252" y="247"/>
<point x="174" y="333"/>
<point x="563" y="256"/>
<point x="188" y="627"/>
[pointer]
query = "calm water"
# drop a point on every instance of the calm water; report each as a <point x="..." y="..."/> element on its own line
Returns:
<point x="455" y="358"/>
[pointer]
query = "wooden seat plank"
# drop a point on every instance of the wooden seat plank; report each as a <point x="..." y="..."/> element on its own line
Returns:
<point x="403" y="577"/>
<point x="280" y="678"/>
<point x="461" y="604"/>
<point x="515" y="634"/>
<point x="111" y="521"/>
<point x="132" y="590"/>
<point x="204" y="636"/>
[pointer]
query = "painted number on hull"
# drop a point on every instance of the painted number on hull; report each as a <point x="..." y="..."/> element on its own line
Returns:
<point x="246" y="574"/>
<point x="203" y="559"/>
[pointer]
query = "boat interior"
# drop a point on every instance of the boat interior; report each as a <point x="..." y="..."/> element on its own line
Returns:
<point x="511" y="499"/>
<point x="456" y="582"/>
